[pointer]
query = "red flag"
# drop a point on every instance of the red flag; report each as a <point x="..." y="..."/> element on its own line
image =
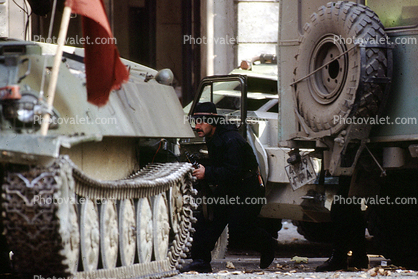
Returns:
<point x="104" y="69"/>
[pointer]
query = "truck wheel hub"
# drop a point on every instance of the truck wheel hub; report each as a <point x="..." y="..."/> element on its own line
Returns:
<point x="327" y="83"/>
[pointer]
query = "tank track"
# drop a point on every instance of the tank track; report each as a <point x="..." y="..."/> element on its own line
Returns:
<point x="44" y="234"/>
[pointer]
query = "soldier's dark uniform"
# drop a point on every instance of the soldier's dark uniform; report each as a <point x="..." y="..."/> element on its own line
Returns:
<point x="233" y="170"/>
<point x="349" y="229"/>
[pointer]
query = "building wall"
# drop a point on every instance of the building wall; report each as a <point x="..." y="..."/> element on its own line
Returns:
<point x="169" y="39"/>
<point x="119" y="23"/>
<point x="257" y="28"/>
<point x="165" y="33"/>
<point x="13" y="19"/>
<point x="237" y="30"/>
<point x="219" y="32"/>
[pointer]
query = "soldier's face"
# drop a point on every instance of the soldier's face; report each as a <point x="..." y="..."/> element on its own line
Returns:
<point x="204" y="129"/>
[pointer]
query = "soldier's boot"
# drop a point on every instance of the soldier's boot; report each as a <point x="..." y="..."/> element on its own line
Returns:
<point x="268" y="252"/>
<point x="198" y="265"/>
<point x="359" y="259"/>
<point x="267" y="257"/>
<point x="359" y="262"/>
<point x="337" y="261"/>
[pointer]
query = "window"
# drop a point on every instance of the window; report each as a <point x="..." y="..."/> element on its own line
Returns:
<point x="395" y="13"/>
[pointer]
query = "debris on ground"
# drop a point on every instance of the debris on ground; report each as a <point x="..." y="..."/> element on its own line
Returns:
<point x="230" y="265"/>
<point x="379" y="271"/>
<point x="299" y="260"/>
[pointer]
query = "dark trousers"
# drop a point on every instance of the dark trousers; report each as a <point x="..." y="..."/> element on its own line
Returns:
<point x="241" y="220"/>
<point x="349" y="223"/>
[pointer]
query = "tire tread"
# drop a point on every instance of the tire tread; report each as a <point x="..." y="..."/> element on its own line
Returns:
<point x="366" y="25"/>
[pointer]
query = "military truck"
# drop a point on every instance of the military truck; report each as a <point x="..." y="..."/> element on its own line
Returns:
<point x="344" y="106"/>
<point x="102" y="195"/>
<point x="346" y="88"/>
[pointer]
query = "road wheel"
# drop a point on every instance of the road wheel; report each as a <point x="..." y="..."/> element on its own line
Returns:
<point x="331" y="94"/>
<point x="144" y="230"/>
<point x="127" y="232"/>
<point x="109" y="234"/>
<point x="161" y="227"/>
<point x="89" y="235"/>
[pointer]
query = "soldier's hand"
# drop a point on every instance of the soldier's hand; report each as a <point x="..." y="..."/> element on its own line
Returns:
<point x="200" y="172"/>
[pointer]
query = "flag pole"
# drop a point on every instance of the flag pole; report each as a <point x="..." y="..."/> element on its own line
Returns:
<point x="55" y="68"/>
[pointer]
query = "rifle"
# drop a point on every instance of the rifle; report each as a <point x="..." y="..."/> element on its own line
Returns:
<point x="202" y="187"/>
<point x="192" y="158"/>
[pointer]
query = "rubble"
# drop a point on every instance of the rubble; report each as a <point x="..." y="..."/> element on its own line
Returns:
<point x="289" y="271"/>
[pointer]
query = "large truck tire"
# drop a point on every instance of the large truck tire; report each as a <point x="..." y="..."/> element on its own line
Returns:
<point x="329" y="96"/>
<point x="394" y="226"/>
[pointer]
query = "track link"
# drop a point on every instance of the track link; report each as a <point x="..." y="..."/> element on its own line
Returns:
<point x="42" y="224"/>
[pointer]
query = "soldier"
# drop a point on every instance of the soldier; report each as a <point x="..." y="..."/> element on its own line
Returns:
<point x="349" y="230"/>
<point x="234" y="173"/>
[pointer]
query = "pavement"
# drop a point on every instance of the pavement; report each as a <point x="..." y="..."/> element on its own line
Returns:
<point x="295" y="258"/>
<point x="247" y="267"/>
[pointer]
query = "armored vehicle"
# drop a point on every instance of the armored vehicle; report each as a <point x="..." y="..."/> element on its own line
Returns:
<point x="102" y="194"/>
<point x="340" y="104"/>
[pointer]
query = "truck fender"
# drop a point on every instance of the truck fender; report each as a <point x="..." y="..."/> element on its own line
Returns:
<point x="259" y="151"/>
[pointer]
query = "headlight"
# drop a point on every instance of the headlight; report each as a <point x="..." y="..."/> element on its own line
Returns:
<point x="24" y="113"/>
<point x="22" y="110"/>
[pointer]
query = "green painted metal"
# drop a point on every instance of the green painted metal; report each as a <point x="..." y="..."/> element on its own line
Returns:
<point x="400" y="120"/>
<point x="139" y="109"/>
<point x="142" y="108"/>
